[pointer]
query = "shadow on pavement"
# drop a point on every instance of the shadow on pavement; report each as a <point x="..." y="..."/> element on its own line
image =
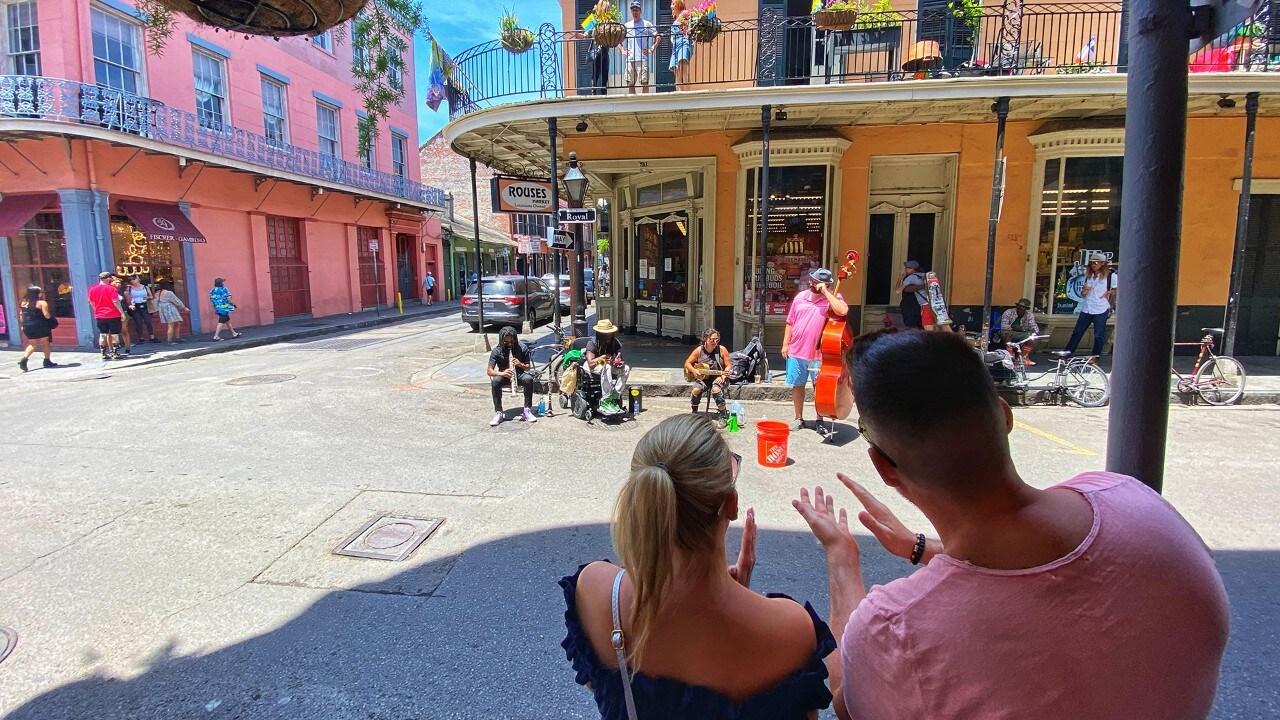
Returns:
<point x="486" y="643"/>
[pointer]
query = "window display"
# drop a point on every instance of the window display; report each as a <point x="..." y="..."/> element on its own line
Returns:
<point x="796" y="241"/>
<point x="1079" y="215"/>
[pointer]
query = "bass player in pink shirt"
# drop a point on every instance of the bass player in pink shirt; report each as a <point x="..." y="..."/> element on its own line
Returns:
<point x="1090" y="600"/>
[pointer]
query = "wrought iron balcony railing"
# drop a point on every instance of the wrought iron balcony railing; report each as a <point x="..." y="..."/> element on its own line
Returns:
<point x="1016" y="39"/>
<point x="41" y="98"/>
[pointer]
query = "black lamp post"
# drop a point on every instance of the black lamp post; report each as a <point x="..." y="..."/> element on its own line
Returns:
<point x="575" y="187"/>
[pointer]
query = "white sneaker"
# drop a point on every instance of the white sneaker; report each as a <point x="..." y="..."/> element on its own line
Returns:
<point x="797" y="424"/>
<point x="528" y="415"/>
<point x="497" y="420"/>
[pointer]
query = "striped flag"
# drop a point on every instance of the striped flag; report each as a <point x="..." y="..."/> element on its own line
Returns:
<point x="1089" y="51"/>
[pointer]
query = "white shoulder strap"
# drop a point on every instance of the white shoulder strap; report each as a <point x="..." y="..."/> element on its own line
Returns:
<point x="620" y="647"/>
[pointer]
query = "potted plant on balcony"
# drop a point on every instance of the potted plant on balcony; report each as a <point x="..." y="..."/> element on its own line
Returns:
<point x="514" y="38"/>
<point x="835" y="15"/>
<point x="702" y="22"/>
<point x="607" y="29"/>
<point x="877" y="27"/>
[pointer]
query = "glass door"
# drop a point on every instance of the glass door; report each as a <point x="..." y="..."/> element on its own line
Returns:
<point x="663" y="274"/>
<point x="894" y="236"/>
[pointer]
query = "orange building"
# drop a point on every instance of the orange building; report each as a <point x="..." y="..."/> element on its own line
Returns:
<point x="882" y="140"/>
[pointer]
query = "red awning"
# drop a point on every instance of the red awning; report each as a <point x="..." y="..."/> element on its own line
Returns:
<point x="16" y="210"/>
<point x="161" y="221"/>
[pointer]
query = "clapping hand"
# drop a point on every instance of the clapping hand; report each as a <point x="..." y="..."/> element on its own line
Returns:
<point x="880" y="520"/>
<point x="741" y="570"/>
<point x="829" y="527"/>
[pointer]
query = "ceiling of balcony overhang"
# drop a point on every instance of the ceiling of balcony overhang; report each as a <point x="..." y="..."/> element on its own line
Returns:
<point x="514" y="138"/>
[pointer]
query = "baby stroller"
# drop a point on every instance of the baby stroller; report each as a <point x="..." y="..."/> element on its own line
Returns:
<point x="585" y="394"/>
<point x="745" y="364"/>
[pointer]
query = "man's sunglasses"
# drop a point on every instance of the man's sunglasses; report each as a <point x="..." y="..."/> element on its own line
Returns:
<point x="862" y="430"/>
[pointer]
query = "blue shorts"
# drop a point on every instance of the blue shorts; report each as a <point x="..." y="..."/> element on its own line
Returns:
<point x="800" y="371"/>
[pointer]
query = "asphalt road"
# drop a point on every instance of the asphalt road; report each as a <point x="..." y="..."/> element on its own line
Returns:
<point x="167" y="533"/>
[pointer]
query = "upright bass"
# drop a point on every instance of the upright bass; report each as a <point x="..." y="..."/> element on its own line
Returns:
<point x="833" y="391"/>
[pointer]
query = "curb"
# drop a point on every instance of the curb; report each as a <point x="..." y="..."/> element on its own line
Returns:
<point x="230" y="345"/>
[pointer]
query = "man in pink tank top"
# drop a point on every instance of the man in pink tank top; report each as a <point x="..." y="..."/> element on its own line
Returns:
<point x="1090" y="600"/>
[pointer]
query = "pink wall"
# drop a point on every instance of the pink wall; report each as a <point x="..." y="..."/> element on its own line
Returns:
<point x="66" y="52"/>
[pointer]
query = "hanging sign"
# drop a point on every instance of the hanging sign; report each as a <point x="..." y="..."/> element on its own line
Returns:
<point x="576" y="216"/>
<point x="520" y="195"/>
<point x="559" y="239"/>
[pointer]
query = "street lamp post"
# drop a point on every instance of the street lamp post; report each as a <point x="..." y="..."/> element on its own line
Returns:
<point x="575" y="187"/>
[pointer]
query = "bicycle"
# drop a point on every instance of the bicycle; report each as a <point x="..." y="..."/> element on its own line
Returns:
<point x="1220" y="381"/>
<point x="550" y="373"/>
<point x="1074" y="378"/>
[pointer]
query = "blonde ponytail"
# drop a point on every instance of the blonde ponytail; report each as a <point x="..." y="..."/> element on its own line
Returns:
<point x="680" y="474"/>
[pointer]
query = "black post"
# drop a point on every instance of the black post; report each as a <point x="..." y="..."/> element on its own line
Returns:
<point x="1155" y="137"/>
<point x="766" y="112"/>
<point x="1001" y="109"/>
<point x="1242" y="226"/>
<point x="579" y="284"/>
<point x="475" y="218"/>
<point x="554" y="222"/>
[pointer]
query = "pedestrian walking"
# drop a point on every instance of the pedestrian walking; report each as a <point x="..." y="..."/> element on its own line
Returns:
<point x="170" y="308"/>
<point x="911" y="285"/>
<point x="220" y="296"/>
<point x="140" y="299"/>
<point x="104" y="298"/>
<point x="429" y="284"/>
<point x="38" y="323"/>
<point x="1099" y="290"/>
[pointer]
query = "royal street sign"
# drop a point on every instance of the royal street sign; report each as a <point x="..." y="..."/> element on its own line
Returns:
<point x="576" y="216"/>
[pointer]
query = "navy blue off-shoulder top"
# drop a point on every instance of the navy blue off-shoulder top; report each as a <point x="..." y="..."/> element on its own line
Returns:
<point x="792" y="699"/>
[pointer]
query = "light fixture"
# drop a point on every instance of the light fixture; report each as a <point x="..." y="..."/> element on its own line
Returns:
<point x="602" y="202"/>
<point x="1226" y="103"/>
<point x="582" y="125"/>
<point x="575" y="183"/>
<point x="780" y="114"/>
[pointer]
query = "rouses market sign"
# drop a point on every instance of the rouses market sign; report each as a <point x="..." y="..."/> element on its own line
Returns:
<point x="520" y="195"/>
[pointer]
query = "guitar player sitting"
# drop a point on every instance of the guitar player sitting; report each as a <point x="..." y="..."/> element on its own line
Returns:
<point x="705" y="370"/>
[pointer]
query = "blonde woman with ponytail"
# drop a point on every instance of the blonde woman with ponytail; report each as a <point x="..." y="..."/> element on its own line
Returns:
<point x="690" y="640"/>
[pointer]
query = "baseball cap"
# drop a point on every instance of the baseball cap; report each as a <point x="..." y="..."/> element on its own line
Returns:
<point x="1097" y="257"/>
<point x="218" y="280"/>
<point x="821" y="275"/>
<point x="1024" y="303"/>
<point x="912" y="264"/>
<point x="105" y="274"/>
<point x="635" y="4"/>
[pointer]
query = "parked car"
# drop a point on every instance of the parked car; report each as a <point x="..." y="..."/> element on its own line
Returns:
<point x="563" y="287"/>
<point x="589" y="278"/>
<point x="504" y="301"/>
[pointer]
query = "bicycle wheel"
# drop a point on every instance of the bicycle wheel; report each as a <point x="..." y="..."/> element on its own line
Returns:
<point x="1087" y="385"/>
<point x="1220" y="381"/>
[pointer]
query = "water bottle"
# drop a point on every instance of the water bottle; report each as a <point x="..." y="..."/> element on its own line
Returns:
<point x="736" y="410"/>
<point x="542" y="405"/>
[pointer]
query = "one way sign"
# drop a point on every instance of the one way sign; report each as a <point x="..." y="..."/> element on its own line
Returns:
<point x="576" y="216"/>
<point x="560" y="239"/>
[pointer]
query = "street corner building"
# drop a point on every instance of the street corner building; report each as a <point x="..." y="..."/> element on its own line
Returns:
<point x="881" y="138"/>
<point x="226" y="156"/>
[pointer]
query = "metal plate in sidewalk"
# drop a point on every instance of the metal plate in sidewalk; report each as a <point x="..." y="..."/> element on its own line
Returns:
<point x="388" y="537"/>
<point x="336" y="343"/>
<point x="8" y="640"/>
<point x="262" y="379"/>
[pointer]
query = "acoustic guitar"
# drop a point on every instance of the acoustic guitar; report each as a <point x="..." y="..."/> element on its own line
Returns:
<point x="705" y="371"/>
<point x="833" y="391"/>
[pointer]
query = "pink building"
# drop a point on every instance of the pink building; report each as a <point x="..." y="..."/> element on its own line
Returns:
<point x="226" y="156"/>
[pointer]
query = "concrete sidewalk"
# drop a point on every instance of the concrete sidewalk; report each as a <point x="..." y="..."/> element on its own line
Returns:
<point x="203" y="344"/>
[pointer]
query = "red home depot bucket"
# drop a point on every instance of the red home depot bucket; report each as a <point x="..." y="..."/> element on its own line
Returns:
<point x="771" y="443"/>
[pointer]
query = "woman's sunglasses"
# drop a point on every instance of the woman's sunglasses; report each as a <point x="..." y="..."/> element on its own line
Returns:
<point x="737" y="465"/>
<point x="862" y="430"/>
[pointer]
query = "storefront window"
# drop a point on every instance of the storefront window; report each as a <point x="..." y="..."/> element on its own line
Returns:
<point x="796" y="241"/>
<point x="39" y="257"/>
<point x="664" y="259"/>
<point x="1079" y="215"/>
<point x="154" y="260"/>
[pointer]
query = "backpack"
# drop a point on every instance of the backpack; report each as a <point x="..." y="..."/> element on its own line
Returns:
<point x="744" y="364"/>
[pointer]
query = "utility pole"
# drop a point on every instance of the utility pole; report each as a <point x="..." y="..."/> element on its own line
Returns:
<point x="766" y="113"/>
<point x="1155" y="135"/>
<point x="1242" y="226"/>
<point x="1001" y="109"/>
<point x="475" y="218"/>
<point x="554" y="222"/>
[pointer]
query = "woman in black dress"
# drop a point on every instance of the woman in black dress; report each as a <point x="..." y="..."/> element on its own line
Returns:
<point x="37" y="324"/>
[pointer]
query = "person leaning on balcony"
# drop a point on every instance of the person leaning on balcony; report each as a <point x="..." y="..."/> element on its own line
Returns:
<point x="681" y="45"/>
<point x="641" y="39"/>
<point x="1089" y="600"/>
<point x="670" y="632"/>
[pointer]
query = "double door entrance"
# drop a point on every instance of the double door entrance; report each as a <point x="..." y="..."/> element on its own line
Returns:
<point x="668" y="274"/>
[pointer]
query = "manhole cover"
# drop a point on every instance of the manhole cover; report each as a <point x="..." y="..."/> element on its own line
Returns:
<point x="8" y="639"/>
<point x="262" y="379"/>
<point x="388" y="537"/>
<point x="336" y="343"/>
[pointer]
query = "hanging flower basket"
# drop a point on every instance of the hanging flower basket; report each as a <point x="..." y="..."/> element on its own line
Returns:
<point x="835" y="20"/>
<point x="276" y="18"/>
<point x="704" y="29"/>
<point x="517" y="40"/>
<point x="609" y="34"/>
